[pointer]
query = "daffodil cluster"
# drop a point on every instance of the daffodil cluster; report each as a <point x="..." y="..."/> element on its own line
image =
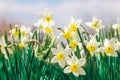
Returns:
<point x="73" y="51"/>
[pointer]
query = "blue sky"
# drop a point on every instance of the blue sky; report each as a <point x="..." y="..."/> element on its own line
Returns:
<point x="26" y="11"/>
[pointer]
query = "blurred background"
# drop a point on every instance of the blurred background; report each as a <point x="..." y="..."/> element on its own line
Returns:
<point x="25" y="12"/>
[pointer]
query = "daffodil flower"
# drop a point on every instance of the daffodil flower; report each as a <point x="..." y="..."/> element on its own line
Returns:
<point x="25" y="31"/>
<point x="60" y="55"/>
<point x="3" y="47"/>
<point x="47" y="17"/>
<point x="93" y="46"/>
<point x="73" y="25"/>
<point x="110" y="47"/>
<point x="95" y="24"/>
<point x="75" y="66"/>
<point x="39" y="25"/>
<point x="66" y="33"/>
<point x="117" y="26"/>
<point x="73" y="44"/>
<point x="15" y="31"/>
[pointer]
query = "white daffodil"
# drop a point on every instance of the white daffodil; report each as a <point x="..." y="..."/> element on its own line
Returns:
<point x="75" y="66"/>
<point x="95" y="24"/>
<point x="50" y="30"/>
<point x="60" y="55"/>
<point x="47" y="17"/>
<point x="25" y="31"/>
<point x="74" y="43"/>
<point x="93" y="46"/>
<point x="3" y="48"/>
<point x="73" y="25"/>
<point x="117" y="26"/>
<point x="66" y="33"/>
<point x="15" y="31"/>
<point x="110" y="47"/>
<point x="39" y="25"/>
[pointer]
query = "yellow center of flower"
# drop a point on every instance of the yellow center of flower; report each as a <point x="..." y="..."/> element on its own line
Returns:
<point x="73" y="43"/>
<point x="15" y="32"/>
<point x="66" y="35"/>
<point x="23" y="33"/>
<point x="73" y="27"/>
<point x="21" y="45"/>
<point x="91" y="47"/>
<point x="109" y="49"/>
<point x="48" y="18"/>
<point x="48" y="30"/>
<point x="60" y="55"/>
<point x="95" y="24"/>
<point x="74" y="67"/>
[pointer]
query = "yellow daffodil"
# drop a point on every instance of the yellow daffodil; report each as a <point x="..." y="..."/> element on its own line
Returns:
<point x="60" y="55"/>
<point x="75" y="66"/>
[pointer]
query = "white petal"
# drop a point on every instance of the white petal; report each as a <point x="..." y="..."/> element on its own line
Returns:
<point x="76" y="74"/>
<point x="59" y="48"/>
<point x="54" y="60"/>
<point x="112" y="41"/>
<point x="52" y="23"/>
<point x="100" y="49"/>
<point x="74" y="59"/>
<point x="82" y="53"/>
<point x="108" y="54"/>
<point x="3" y="50"/>
<point x="69" y="62"/>
<point x="67" y="51"/>
<point x="54" y="51"/>
<point x="117" y="46"/>
<point x="94" y="19"/>
<point x="78" y="22"/>
<point x="82" y="71"/>
<point x="106" y="42"/>
<point x="88" y="24"/>
<point x="62" y="63"/>
<point x="82" y="61"/>
<point x="114" y="54"/>
<point x="67" y="70"/>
